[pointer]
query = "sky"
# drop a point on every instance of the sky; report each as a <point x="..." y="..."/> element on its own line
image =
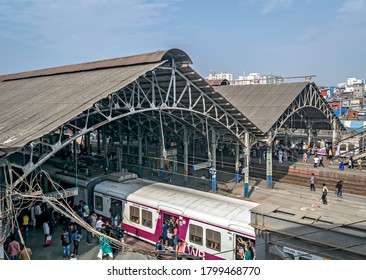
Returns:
<point x="326" y="38"/>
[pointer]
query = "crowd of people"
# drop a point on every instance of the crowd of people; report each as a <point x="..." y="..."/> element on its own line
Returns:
<point x="43" y="218"/>
<point x="245" y="249"/>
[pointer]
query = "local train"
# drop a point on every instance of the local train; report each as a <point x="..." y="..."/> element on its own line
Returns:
<point x="211" y="225"/>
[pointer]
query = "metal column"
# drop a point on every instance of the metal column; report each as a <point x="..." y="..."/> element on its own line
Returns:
<point x="247" y="162"/>
<point x="120" y="148"/>
<point x="334" y="136"/>
<point x="139" y="168"/>
<point x="87" y="144"/>
<point x="162" y="168"/>
<point x="185" y="168"/>
<point x="105" y="148"/>
<point x="128" y="147"/>
<point x="237" y="162"/>
<point x="269" y="165"/>
<point x="98" y="142"/>
<point x="213" y="160"/>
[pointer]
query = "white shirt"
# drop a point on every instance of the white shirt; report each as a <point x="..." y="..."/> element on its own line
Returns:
<point x="99" y="224"/>
<point x="46" y="228"/>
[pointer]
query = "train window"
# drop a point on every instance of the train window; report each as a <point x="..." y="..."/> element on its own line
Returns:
<point x="195" y="234"/>
<point x="213" y="240"/>
<point x="134" y="214"/>
<point x="146" y="218"/>
<point x="98" y="203"/>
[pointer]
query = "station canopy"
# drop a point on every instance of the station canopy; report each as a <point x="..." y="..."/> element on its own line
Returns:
<point x="298" y="105"/>
<point x="36" y="103"/>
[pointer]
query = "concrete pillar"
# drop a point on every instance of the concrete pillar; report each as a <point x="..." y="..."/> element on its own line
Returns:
<point x="213" y="159"/>
<point x="237" y="162"/>
<point x="247" y="162"/>
<point x="269" y="165"/>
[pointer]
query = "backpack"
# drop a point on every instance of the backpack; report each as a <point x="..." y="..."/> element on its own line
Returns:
<point x="66" y="237"/>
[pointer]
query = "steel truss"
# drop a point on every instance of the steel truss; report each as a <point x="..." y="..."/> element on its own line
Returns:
<point x="175" y="96"/>
<point x="307" y="110"/>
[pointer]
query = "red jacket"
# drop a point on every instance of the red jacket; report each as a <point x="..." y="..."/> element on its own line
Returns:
<point x="14" y="248"/>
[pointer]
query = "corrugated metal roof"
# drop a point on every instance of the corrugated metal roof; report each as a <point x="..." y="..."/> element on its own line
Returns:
<point x="178" y="55"/>
<point x="33" y="107"/>
<point x="262" y="104"/>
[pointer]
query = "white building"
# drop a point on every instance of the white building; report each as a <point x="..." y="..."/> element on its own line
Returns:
<point x="256" y="78"/>
<point x="220" y="76"/>
<point x="352" y="81"/>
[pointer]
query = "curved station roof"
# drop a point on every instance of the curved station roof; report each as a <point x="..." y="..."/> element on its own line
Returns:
<point x="36" y="103"/>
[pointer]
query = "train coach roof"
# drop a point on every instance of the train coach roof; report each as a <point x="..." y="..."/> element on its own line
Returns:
<point x="220" y="210"/>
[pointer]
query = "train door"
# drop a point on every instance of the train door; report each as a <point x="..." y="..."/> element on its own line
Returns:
<point x="244" y="248"/>
<point x="116" y="211"/>
<point x="170" y="223"/>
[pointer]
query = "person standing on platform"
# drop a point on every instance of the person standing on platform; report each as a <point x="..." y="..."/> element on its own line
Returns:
<point x="316" y="161"/>
<point x="324" y="195"/>
<point x="304" y="157"/>
<point x="341" y="165"/>
<point x="25" y="225"/>
<point x="359" y="163"/>
<point x="312" y="182"/>
<point x="25" y="253"/>
<point x="339" y="187"/>
<point x="38" y="215"/>
<point x="65" y="238"/>
<point x="46" y="231"/>
<point x="280" y="156"/>
<point x="13" y="248"/>
<point x="350" y="163"/>
<point x="104" y="248"/>
<point x="159" y="247"/>
<point x="321" y="164"/>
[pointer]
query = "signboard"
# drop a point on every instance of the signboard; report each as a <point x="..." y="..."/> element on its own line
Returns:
<point x="171" y="152"/>
<point x="201" y="165"/>
<point x="212" y="170"/>
<point x="63" y="193"/>
<point x="355" y="102"/>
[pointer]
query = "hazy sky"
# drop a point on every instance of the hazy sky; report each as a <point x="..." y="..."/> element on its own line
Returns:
<point x="281" y="37"/>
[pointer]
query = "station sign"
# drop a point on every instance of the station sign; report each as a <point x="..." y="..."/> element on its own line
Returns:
<point x="201" y="165"/>
<point x="63" y="193"/>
